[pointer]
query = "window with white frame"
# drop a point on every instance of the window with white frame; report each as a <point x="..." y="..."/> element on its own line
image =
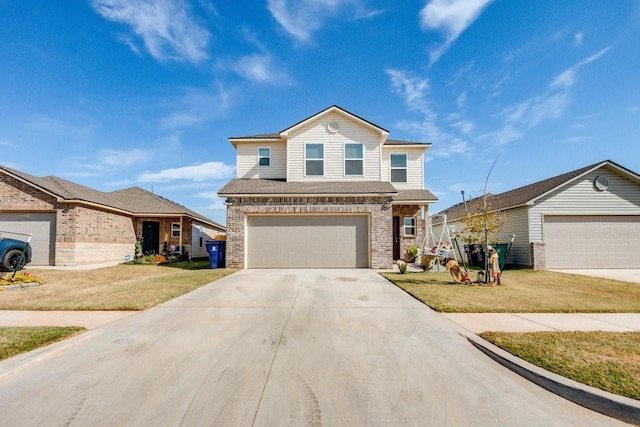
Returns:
<point x="398" y="164"/>
<point x="410" y="226"/>
<point x="353" y="158"/>
<point x="314" y="159"/>
<point x="264" y="156"/>
<point x="175" y="229"/>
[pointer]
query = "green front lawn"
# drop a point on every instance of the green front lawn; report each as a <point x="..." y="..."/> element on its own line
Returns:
<point x="522" y="291"/>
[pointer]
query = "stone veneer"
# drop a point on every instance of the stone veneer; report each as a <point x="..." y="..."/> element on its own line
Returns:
<point x="377" y="208"/>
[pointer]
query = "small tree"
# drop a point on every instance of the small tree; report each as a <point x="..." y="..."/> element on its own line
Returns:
<point x="474" y="225"/>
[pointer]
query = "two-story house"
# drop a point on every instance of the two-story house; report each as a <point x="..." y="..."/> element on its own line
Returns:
<point x="330" y="191"/>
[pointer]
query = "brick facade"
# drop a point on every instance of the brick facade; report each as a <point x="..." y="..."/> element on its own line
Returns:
<point x="182" y="244"/>
<point x="379" y="211"/>
<point x="404" y="211"/>
<point x="83" y="235"/>
<point x="92" y="236"/>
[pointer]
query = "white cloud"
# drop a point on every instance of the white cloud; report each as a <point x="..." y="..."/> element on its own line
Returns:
<point x="215" y="202"/>
<point x="450" y="17"/>
<point x="122" y="158"/>
<point x="196" y="106"/>
<point x="202" y="172"/>
<point x="578" y="38"/>
<point x="259" y="67"/>
<point x="568" y="77"/>
<point x="462" y="99"/>
<point x="165" y="26"/>
<point x="411" y="89"/>
<point x="7" y="144"/>
<point x="301" y="18"/>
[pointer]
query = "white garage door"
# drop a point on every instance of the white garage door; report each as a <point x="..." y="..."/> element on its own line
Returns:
<point x="307" y="241"/>
<point x="592" y="241"/>
<point x="41" y="225"/>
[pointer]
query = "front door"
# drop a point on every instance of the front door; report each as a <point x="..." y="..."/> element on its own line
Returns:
<point x="150" y="237"/>
<point x="396" y="237"/>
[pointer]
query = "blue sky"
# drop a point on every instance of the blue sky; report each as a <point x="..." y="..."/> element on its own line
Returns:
<point x="117" y="93"/>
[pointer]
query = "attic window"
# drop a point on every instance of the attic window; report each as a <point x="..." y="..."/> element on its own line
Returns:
<point x="264" y="156"/>
<point x="175" y="229"/>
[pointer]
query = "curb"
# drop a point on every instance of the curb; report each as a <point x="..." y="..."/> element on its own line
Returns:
<point x="612" y="405"/>
<point x="18" y="286"/>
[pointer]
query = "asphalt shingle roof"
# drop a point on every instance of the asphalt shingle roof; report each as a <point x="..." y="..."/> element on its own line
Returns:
<point x="515" y="197"/>
<point x="134" y="200"/>
<point x="415" y="195"/>
<point x="251" y="186"/>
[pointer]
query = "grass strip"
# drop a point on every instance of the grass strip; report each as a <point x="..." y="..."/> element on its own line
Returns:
<point x="522" y="291"/>
<point x="16" y="340"/>
<point x="609" y="361"/>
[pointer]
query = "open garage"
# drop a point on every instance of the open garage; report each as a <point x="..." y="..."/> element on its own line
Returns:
<point x="308" y="241"/>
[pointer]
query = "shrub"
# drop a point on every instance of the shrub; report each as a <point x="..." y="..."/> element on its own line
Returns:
<point x="402" y="266"/>
<point x="412" y="253"/>
<point x="426" y="262"/>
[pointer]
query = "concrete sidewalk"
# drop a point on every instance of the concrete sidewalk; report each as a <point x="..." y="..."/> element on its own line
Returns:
<point x="472" y="322"/>
<point x="538" y="322"/>
<point x="88" y="319"/>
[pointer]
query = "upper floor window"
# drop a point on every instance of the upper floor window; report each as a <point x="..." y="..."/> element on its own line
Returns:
<point x="353" y="159"/>
<point x="398" y="167"/>
<point x="175" y="229"/>
<point x="264" y="156"/>
<point x="314" y="159"/>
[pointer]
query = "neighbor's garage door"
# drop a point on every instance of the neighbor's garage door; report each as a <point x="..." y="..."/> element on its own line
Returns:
<point x="41" y="225"/>
<point x="592" y="241"/>
<point x="307" y="241"/>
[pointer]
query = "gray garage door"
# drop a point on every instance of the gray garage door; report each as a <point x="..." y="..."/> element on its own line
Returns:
<point x="307" y="241"/>
<point x="592" y="241"/>
<point x="41" y="225"/>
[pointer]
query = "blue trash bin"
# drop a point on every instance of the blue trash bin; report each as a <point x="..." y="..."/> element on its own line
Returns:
<point x="215" y="248"/>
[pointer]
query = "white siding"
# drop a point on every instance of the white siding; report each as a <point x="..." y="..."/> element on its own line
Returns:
<point x="317" y="132"/>
<point x="200" y="233"/>
<point x="581" y="198"/>
<point x="515" y="223"/>
<point x="247" y="160"/>
<point x="415" y="169"/>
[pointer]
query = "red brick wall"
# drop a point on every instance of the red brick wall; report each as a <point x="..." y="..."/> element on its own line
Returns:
<point x="15" y="195"/>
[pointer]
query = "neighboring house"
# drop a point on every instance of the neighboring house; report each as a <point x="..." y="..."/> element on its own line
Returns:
<point x="75" y="225"/>
<point x="587" y="218"/>
<point x="329" y="191"/>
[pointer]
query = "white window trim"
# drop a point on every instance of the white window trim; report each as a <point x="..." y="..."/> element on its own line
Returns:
<point x="406" y="167"/>
<point x="178" y="229"/>
<point x="344" y="158"/>
<point x="264" y="157"/>
<point x="305" y="157"/>
<point x="405" y="226"/>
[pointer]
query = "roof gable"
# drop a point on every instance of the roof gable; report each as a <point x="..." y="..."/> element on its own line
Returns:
<point x="528" y="194"/>
<point x="330" y="110"/>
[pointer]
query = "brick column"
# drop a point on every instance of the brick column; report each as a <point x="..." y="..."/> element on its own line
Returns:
<point x="538" y="256"/>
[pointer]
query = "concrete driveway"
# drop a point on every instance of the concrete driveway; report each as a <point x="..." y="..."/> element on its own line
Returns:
<point x="275" y="348"/>
<point x="623" y="274"/>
